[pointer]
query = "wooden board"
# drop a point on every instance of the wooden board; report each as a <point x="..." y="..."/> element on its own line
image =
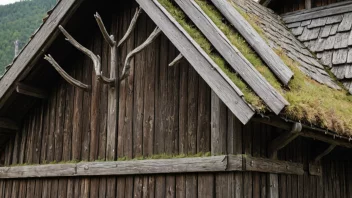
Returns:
<point x="202" y="65"/>
<point x="272" y="60"/>
<point x="233" y="56"/>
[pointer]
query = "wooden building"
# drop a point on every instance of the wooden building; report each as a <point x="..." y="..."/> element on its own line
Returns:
<point x="179" y="98"/>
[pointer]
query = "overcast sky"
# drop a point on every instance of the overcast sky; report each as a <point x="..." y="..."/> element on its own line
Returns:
<point x="4" y="2"/>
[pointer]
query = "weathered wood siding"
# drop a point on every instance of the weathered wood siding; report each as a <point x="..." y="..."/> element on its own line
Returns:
<point x="294" y="5"/>
<point x="161" y="109"/>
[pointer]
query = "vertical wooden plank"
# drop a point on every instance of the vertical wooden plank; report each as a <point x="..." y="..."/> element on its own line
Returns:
<point x="60" y="119"/>
<point x="31" y="150"/>
<point x="126" y="106"/>
<point x="308" y="4"/>
<point x="248" y="148"/>
<point x="256" y="153"/>
<point x="219" y="141"/>
<point x="160" y="111"/>
<point x="86" y="118"/>
<point x="183" y="125"/>
<point x="193" y="79"/>
<point x="238" y="149"/>
<point x="149" y="108"/>
<point x="8" y="161"/>
<point x="205" y="181"/>
<point x="39" y="133"/>
<point x="263" y="153"/>
<point x="140" y="75"/>
<point x="59" y="134"/>
<point x="77" y="119"/>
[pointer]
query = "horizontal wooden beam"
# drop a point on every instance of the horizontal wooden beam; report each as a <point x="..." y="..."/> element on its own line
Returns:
<point x="7" y="125"/>
<point x="31" y="91"/>
<point x="159" y="166"/>
<point x="272" y="166"/>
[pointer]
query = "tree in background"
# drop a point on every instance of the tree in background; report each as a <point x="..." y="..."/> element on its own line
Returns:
<point x="18" y="21"/>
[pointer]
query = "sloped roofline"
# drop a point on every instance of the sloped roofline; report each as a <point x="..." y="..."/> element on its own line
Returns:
<point x="36" y="47"/>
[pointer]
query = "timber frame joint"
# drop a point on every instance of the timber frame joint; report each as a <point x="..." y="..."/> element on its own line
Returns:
<point x="284" y="139"/>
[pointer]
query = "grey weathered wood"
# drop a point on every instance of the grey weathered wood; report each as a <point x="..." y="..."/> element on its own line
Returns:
<point x="324" y="153"/>
<point x="134" y="167"/>
<point x="317" y="14"/>
<point x="58" y="170"/>
<point x="284" y="139"/>
<point x="223" y="163"/>
<point x="340" y="40"/>
<point x="273" y="186"/>
<point x="334" y="19"/>
<point x="272" y="166"/>
<point x="317" y="22"/>
<point x="272" y="60"/>
<point x="37" y="47"/>
<point x="235" y="163"/>
<point x="231" y="54"/>
<point x="346" y="23"/>
<point x="339" y="57"/>
<point x="308" y="4"/>
<point x="31" y="91"/>
<point x="206" y="164"/>
<point x="198" y="59"/>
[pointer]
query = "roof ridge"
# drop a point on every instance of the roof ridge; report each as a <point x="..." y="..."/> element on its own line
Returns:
<point x="320" y="12"/>
<point x="298" y="12"/>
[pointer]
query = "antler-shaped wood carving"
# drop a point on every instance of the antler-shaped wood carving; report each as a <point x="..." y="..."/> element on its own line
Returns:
<point x="176" y="60"/>
<point x="66" y="76"/>
<point x="127" y="66"/>
<point x="95" y="58"/>
<point x="131" y="27"/>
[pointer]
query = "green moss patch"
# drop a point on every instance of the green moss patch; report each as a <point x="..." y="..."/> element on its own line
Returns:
<point x="203" y="42"/>
<point x="311" y="102"/>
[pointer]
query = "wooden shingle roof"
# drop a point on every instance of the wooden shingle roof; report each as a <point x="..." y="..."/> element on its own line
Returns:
<point x="327" y="32"/>
<point x="280" y="37"/>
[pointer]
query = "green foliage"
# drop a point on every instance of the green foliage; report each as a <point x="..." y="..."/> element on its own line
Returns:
<point x="19" y="21"/>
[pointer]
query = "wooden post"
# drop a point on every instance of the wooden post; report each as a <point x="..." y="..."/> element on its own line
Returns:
<point x="308" y="4"/>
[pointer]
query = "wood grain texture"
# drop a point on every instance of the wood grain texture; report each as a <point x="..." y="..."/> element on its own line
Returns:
<point x="233" y="56"/>
<point x="182" y="41"/>
<point x="272" y="60"/>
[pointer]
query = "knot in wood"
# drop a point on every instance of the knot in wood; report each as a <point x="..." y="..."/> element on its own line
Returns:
<point x="86" y="167"/>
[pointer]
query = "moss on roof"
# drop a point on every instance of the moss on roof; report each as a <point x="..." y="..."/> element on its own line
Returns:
<point x="310" y="101"/>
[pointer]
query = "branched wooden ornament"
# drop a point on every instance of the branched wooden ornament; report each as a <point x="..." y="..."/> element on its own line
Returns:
<point x="95" y="58"/>
<point x="176" y="60"/>
<point x="150" y="39"/>
<point x="131" y="27"/>
<point x="66" y="76"/>
<point x="109" y="39"/>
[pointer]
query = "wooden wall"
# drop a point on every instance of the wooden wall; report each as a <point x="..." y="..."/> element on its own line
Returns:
<point x="161" y="109"/>
<point x="293" y="5"/>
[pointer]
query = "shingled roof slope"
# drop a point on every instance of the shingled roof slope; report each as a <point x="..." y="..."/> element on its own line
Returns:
<point x="327" y="32"/>
<point x="280" y="37"/>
